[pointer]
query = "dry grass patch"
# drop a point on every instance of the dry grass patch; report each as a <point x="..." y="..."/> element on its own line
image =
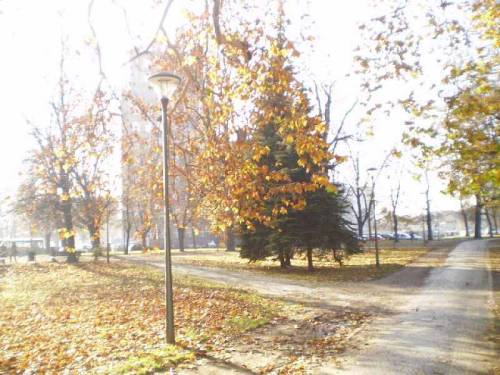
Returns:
<point x="358" y="267"/>
<point x="94" y="317"/>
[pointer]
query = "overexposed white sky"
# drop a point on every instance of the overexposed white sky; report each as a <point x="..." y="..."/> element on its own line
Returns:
<point x="30" y="36"/>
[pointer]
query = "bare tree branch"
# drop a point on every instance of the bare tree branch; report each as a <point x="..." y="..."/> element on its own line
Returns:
<point x="139" y="53"/>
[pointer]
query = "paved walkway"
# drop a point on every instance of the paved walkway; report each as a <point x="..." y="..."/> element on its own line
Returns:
<point x="442" y="329"/>
<point x="437" y="312"/>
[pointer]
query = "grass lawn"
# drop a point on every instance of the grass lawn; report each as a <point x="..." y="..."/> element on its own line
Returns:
<point x="98" y="318"/>
<point x="358" y="267"/>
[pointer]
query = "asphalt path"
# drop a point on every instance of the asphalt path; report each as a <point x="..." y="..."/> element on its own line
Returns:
<point x="442" y="330"/>
<point x="437" y="316"/>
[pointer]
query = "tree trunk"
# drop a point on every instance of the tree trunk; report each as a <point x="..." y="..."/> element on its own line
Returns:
<point x="429" y="219"/>
<point x="369" y="227"/>
<point x="95" y="242"/>
<point x="337" y="258"/>
<point x="281" y="258"/>
<point x="69" y="241"/>
<point x="464" y="217"/>
<point x="193" y="236"/>
<point x="490" y="224"/>
<point x="47" y="243"/>
<point x="395" y="220"/>
<point x="181" y="233"/>
<point x="495" y="223"/>
<point x="145" y="244"/>
<point x="359" y="216"/>
<point x="288" y="259"/>
<point x="360" y="228"/>
<point x="127" y="238"/>
<point x="310" y="267"/>
<point x="477" y="217"/>
<point x="230" y="240"/>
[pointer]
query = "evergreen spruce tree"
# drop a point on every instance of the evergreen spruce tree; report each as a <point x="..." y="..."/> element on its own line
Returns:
<point x="320" y="223"/>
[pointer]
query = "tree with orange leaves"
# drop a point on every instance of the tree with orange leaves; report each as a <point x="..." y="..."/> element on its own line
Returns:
<point x="69" y="160"/>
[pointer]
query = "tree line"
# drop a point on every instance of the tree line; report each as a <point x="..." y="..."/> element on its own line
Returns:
<point x="252" y="155"/>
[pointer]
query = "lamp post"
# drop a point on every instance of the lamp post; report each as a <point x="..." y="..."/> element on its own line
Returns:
<point x="165" y="84"/>
<point x="377" y="259"/>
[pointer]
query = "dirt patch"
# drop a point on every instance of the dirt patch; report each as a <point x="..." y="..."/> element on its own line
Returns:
<point x="290" y="346"/>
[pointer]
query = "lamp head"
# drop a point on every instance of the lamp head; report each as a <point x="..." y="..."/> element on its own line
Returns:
<point x="165" y="84"/>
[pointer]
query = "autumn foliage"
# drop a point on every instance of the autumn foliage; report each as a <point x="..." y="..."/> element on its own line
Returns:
<point x="59" y="317"/>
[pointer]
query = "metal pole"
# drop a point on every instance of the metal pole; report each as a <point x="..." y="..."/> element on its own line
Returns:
<point x="169" y="294"/>
<point x="377" y="260"/>
<point x="107" y="237"/>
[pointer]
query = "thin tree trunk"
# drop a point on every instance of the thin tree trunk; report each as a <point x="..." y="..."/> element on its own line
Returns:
<point x="47" y="243"/>
<point x="230" y="240"/>
<point x="281" y="258"/>
<point x="310" y="267"/>
<point x="95" y="241"/>
<point x="127" y="238"/>
<point x="288" y="259"/>
<point x="495" y="223"/>
<point x="193" y="236"/>
<point x="490" y="224"/>
<point x="337" y="258"/>
<point x="429" y="220"/>
<point x="428" y="208"/>
<point x="69" y="242"/>
<point x="477" y="217"/>
<point x="464" y="217"/>
<point x="359" y="216"/>
<point x="395" y="220"/>
<point x="369" y="227"/>
<point x="181" y="234"/>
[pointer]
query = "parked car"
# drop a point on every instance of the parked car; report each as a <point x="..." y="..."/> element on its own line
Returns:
<point x="387" y="236"/>
<point x="404" y="236"/>
<point x="212" y="244"/>
<point x="135" y="246"/>
<point x="417" y="236"/>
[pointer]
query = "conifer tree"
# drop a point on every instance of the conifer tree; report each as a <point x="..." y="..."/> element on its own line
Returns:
<point x="316" y="220"/>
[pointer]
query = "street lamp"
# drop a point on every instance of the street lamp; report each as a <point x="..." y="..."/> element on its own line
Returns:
<point x="377" y="259"/>
<point x="165" y="84"/>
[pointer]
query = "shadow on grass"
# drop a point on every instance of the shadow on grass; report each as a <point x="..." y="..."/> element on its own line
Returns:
<point x="145" y="272"/>
<point x="222" y="365"/>
<point x="328" y="273"/>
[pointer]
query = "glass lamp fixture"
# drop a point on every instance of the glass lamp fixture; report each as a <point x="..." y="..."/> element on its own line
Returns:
<point x="165" y="84"/>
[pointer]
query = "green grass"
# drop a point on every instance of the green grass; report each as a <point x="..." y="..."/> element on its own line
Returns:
<point x="154" y="361"/>
<point x="245" y="323"/>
